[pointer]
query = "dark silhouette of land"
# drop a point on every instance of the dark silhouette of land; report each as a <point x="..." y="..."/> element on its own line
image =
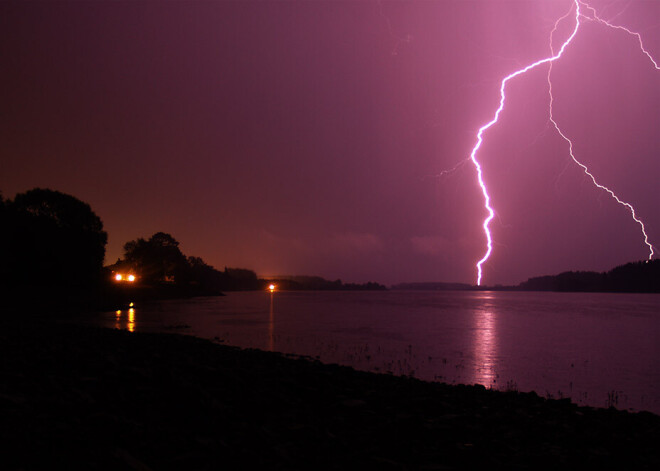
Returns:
<point x="50" y="239"/>
<point x="75" y="397"/>
<point x="52" y="247"/>
<point x="316" y="283"/>
<point x="633" y="277"/>
<point x="162" y="270"/>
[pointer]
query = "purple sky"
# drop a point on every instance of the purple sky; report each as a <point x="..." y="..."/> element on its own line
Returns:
<point x="307" y="137"/>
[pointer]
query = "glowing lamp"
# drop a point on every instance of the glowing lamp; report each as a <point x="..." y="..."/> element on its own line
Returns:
<point x="129" y="278"/>
<point x="271" y="288"/>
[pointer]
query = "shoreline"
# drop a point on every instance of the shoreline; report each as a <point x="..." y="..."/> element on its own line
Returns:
<point x="88" y="397"/>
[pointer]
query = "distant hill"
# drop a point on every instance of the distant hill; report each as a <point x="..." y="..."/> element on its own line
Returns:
<point x="634" y="277"/>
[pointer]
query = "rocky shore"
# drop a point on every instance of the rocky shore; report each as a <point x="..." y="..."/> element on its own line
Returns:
<point x="74" y="397"/>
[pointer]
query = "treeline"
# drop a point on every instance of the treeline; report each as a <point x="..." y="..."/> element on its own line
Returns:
<point x="634" y="277"/>
<point x="159" y="262"/>
<point x="52" y="248"/>
<point x="316" y="283"/>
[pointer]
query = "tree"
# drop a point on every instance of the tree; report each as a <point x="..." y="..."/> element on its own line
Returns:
<point x="157" y="260"/>
<point x="239" y="279"/>
<point x="204" y="276"/>
<point x="52" y="238"/>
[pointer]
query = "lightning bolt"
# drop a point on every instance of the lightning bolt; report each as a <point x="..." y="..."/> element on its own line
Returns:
<point x="485" y="127"/>
<point x="584" y="168"/>
<point x="631" y="33"/>
<point x="548" y="60"/>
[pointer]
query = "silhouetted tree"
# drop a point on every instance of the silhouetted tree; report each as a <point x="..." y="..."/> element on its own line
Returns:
<point x="643" y="276"/>
<point x="204" y="276"/>
<point x="240" y="279"/>
<point x="51" y="238"/>
<point x="157" y="260"/>
<point x="640" y="277"/>
<point x="5" y="240"/>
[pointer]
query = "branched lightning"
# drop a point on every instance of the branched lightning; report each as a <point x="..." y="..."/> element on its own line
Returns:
<point x="549" y="60"/>
<point x="584" y="168"/>
<point x="622" y="28"/>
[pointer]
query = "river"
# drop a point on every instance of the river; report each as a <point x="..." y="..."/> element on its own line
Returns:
<point x="597" y="349"/>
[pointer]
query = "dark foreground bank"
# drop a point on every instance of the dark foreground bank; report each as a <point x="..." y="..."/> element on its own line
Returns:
<point x="74" y="397"/>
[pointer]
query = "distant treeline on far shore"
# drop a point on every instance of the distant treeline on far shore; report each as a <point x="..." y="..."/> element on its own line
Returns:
<point x="52" y="248"/>
<point x="634" y="277"/>
<point x="318" y="283"/>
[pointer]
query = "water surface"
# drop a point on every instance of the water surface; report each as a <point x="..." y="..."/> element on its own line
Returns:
<point x="598" y="349"/>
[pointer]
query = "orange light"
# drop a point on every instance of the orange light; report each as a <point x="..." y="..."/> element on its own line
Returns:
<point x="131" y="320"/>
<point x="271" y="288"/>
<point x="130" y="278"/>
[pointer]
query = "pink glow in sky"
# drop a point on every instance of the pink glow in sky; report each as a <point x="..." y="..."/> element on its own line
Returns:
<point x="310" y="137"/>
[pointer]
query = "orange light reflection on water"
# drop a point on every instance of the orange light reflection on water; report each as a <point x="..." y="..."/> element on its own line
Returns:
<point x="271" y="326"/>
<point x="130" y="321"/>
